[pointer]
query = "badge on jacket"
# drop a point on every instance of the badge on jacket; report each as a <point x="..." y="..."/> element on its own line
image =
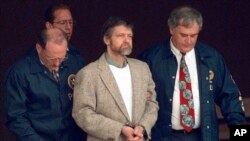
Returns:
<point x="211" y="77"/>
<point x="71" y="81"/>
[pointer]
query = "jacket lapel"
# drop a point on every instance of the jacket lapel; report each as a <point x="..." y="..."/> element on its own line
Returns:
<point x="136" y="89"/>
<point x="109" y="81"/>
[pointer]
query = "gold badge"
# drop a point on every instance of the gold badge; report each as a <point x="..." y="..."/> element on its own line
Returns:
<point x="211" y="75"/>
<point x="71" y="80"/>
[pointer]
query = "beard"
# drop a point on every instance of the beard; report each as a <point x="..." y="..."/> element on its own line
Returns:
<point x="125" y="49"/>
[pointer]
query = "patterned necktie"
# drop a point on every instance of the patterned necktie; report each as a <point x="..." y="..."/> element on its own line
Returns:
<point x="56" y="75"/>
<point x="186" y="97"/>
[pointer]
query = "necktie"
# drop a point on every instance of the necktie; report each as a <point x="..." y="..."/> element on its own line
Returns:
<point x="186" y="97"/>
<point x="56" y="75"/>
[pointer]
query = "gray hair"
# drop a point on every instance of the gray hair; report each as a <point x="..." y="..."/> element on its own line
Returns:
<point x="55" y="35"/>
<point x="185" y="16"/>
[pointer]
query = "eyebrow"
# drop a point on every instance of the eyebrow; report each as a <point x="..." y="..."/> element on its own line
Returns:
<point x="55" y="57"/>
<point x="183" y="34"/>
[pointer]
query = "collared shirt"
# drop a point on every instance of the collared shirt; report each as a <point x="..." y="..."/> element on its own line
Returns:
<point x="112" y="62"/>
<point x="191" y="63"/>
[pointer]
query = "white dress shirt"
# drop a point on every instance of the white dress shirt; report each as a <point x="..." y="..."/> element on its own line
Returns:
<point x="191" y="64"/>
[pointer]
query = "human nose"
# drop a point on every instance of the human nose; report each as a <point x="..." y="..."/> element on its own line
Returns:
<point x="57" y="62"/>
<point x="188" y="39"/>
<point x="68" y="25"/>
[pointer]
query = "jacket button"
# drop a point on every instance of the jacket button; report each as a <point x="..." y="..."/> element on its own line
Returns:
<point x="170" y="100"/>
<point x="173" y="77"/>
<point x="208" y="126"/>
<point x="208" y="101"/>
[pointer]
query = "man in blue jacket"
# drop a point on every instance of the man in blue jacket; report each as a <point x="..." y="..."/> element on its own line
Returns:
<point x="210" y="81"/>
<point x="39" y="91"/>
<point x="22" y="92"/>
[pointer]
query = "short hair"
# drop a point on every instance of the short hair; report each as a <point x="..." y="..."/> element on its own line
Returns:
<point x="112" y="22"/>
<point x="49" y="13"/>
<point x="55" y="35"/>
<point x="185" y="16"/>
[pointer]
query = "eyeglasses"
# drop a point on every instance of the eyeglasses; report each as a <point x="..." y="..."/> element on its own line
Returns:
<point x="65" y="22"/>
<point x="51" y="59"/>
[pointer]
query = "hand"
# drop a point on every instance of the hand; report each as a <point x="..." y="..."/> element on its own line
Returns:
<point x="139" y="132"/>
<point x="132" y="134"/>
<point x="149" y="95"/>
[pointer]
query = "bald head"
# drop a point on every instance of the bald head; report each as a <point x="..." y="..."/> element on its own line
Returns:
<point x="54" y="35"/>
<point x="52" y="48"/>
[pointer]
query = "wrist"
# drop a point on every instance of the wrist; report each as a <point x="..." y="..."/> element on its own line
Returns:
<point x="143" y="129"/>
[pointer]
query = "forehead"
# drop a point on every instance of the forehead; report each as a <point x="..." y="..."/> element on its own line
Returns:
<point x="53" y="47"/>
<point x="122" y="29"/>
<point x="62" y="14"/>
<point x="192" y="29"/>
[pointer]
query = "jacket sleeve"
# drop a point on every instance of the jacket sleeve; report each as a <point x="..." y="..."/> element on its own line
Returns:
<point x="151" y="111"/>
<point x="84" y="109"/>
<point x="15" y="107"/>
<point x="228" y="96"/>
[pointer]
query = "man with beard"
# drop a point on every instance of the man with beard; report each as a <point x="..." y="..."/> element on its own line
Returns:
<point x="110" y="95"/>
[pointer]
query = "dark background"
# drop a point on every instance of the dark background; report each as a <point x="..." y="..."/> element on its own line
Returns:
<point x="226" y="28"/>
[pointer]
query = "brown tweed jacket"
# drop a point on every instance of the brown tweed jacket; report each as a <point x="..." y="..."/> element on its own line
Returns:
<point x="98" y="106"/>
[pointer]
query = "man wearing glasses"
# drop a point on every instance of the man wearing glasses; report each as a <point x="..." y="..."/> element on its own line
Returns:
<point x="59" y="16"/>
<point x="38" y="95"/>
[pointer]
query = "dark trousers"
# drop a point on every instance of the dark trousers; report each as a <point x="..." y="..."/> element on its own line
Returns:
<point x="181" y="135"/>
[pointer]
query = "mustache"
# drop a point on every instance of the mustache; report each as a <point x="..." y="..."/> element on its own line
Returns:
<point x="126" y="44"/>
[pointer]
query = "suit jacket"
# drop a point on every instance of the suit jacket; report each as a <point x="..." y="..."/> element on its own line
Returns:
<point x="98" y="106"/>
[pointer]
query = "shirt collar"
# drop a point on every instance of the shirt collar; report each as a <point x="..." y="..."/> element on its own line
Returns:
<point x="177" y="52"/>
<point x="112" y="62"/>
